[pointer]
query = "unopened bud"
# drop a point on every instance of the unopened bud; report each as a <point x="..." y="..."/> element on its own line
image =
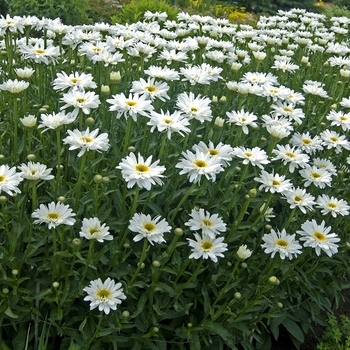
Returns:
<point x="55" y="285"/>
<point x="126" y="313"/>
<point x="131" y="149"/>
<point x="115" y="77"/>
<point x="156" y="263"/>
<point x="3" y="199"/>
<point x="76" y="241"/>
<point x="90" y="121"/>
<point x="219" y="122"/>
<point x="178" y="231"/>
<point x="62" y="199"/>
<point x="15" y="272"/>
<point x="279" y="305"/>
<point x="253" y="192"/>
<point x="106" y="180"/>
<point x="274" y="281"/>
<point x="238" y="295"/>
<point x="98" y="178"/>
<point x="31" y="157"/>
<point x="105" y="90"/>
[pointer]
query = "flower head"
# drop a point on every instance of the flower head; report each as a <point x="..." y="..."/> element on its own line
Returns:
<point x="80" y="100"/>
<point x="332" y="205"/>
<point x="273" y="182"/>
<point x="86" y="141"/>
<point x="35" y="171"/>
<point x="144" y="173"/>
<point x="149" y="228"/>
<point x="198" y="164"/>
<point x="92" y="229"/>
<point x="54" y="214"/>
<point x="9" y="180"/>
<point x="206" y="247"/>
<point x="14" y="86"/>
<point x="56" y="120"/>
<point x="318" y="237"/>
<point x="280" y="242"/>
<point x="104" y="295"/>
<point x="243" y="253"/>
<point x="242" y="119"/>
<point x="210" y="225"/>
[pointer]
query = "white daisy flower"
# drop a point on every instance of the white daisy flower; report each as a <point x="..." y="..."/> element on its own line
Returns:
<point x="35" y="171"/>
<point x="149" y="228"/>
<point x="317" y="176"/>
<point x="198" y="164"/>
<point x="92" y="229"/>
<point x="55" y="120"/>
<point x="104" y="295"/>
<point x="339" y="119"/>
<point x="14" y="86"/>
<point x="221" y="151"/>
<point x="143" y="173"/>
<point x="290" y="155"/>
<point x="73" y="81"/>
<point x="273" y="182"/>
<point x="210" y="225"/>
<point x="318" y="237"/>
<point x="80" y="100"/>
<point x="306" y="142"/>
<point x="255" y="156"/>
<point x="280" y="242"/>
<point x="130" y="106"/>
<point x="194" y="107"/>
<point x="332" y="205"/>
<point x="325" y="164"/>
<point x="169" y="123"/>
<point x="151" y="89"/>
<point x="332" y="139"/>
<point x="9" y="180"/>
<point x="299" y="198"/>
<point x="242" y="119"/>
<point x="24" y="73"/>
<point x="54" y="214"/>
<point x="86" y="141"/>
<point x="206" y="247"/>
<point x="243" y="253"/>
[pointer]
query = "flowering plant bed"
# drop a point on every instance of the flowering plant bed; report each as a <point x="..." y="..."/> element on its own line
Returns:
<point x="172" y="184"/>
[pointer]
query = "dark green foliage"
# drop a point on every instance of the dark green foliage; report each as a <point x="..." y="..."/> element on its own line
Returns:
<point x="342" y="3"/>
<point x="70" y="11"/>
<point x="272" y="6"/>
<point x="3" y="7"/>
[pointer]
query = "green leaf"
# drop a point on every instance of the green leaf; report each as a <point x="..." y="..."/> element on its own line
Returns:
<point x="222" y="332"/>
<point x="9" y="313"/>
<point x="293" y="329"/>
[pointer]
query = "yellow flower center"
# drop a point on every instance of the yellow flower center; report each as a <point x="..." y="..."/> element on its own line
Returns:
<point x="194" y="109"/>
<point x="97" y="49"/>
<point x="332" y="205"/>
<point x="319" y="236"/>
<point x="167" y="121"/>
<point x="151" y="88"/>
<point x="248" y="154"/>
<point x="149" y="226"/>
<point x="315" y="175"/>
<point x="289" y="110"/>
<point x="103" y="294"/>
<point x="53" y="216"/>
<point x="200" y="163"/>
<point x="275" y="183"/>
<point x="141" y="168"/>
<point x="86" y="139"/>
<point x="40" y="51"/>
<point x="334" y="139"/>
<point x="93" y="230"/>
<point x="273" y="91"/>
<point x="2" y="178"/>
<point x="282" y="243"/>
<point x="290" y="155"/>
<point x="81" y="99"/>
<point x="306" y="141"/>
<point x="343" y="118"/>
<point x="213" y="152"/>
<point x="74" y="80"/>
<point x="131" y="103"/>
<point x="298" y="198"/>
<point x="206" y="245"/>
<point x="207" y="222"/>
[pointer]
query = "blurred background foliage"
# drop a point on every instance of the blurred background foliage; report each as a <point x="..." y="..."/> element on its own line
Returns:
<point x="128" y="11"/>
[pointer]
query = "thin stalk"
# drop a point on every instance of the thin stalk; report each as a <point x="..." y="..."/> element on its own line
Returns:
<point x="80" y="180"/>
<point x="139" y="265"/>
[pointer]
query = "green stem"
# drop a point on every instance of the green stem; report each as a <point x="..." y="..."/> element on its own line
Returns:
<point x="139" y="265"/>
<point x="134" y="202"/>
<point x="126" y="141"/>
<point x="15" y="129"/>
<point x="58" y="166"/>
<point x="80" y="180"/>
<point x="89" y="258"/>
<point x="289" y="219"/>
<point x="195" y="274"/>
<point x="100" y="319"/>
<point x="189" y="191"/>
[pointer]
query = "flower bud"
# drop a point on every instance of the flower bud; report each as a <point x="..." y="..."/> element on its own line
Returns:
<point x="55" y="285"/>
<point x="76" y="241"/>
<point x="243" y="253"/>
<point x="62" y="199"/>
<point x="105" y="90"/>
<point x="5" y="290"/>
<point x="31" y="157"/>
<point x="15" y="272"/>
<point x="244" y="265"/>
<point x="2" y="156"/>
<point x="126" y="245"/>
<point x="29" y="122"/>
<point x="90" y="121"/>
<point x="126" y="313"/>
<point x="214" y="99"/>
<point x="156" y="263"/>
<point x="219" y="122"/>
<point x="106" y="180"/>
<point x="253" y="192"/>
<point x="3" y="199"/>
<point x="131" y="149"/>
<point x="115" y="77"/>
<point x="98" y="178"/>
<point x="238" y="295"/>
<point x="178" y="231"/>
<point x="189" y="325"/>
<point x="274" y="280"/>
<point x="268" y="227"/>
<point x="223" y="99"/>
<point x="279" y="305"/>
<point x="155" y="329"/>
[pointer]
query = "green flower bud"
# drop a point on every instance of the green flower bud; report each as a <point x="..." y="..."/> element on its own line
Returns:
<point x="178" y="231"/>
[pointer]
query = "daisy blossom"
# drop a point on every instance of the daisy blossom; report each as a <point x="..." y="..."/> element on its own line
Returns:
<point x="210" y="225"/>
<point x="73" y="81"/>
<point x="293" y="157"/>
<point x="242" y="119"/>
<point x="86" y="141"/>
<point x="255" y="156"/>
<point x="298" y="198"/>
<point x="54" y="214"/>
<point x="151" y="89"/>
<point x="318" y="237"/>
<point x="148" y="227"/>
<point x="56" y="120"/>
<point x="9" y="180"/>
<point x="280" y="242"/>
<point x="317" y="176"/>
<point x="206" y="247"/>
<point x="332" y="205"/>
<point x="143" y="173"/>
<point x="104" y="295"/>
<point x="221" y="151"/>
<point x="198" y="164"/>
<point x="92" y="229"/>
<point x="194" y="107"/>
<point x="273" y="182"/>
<point x="80" y="100"/>
<point x="35" y="171"/>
